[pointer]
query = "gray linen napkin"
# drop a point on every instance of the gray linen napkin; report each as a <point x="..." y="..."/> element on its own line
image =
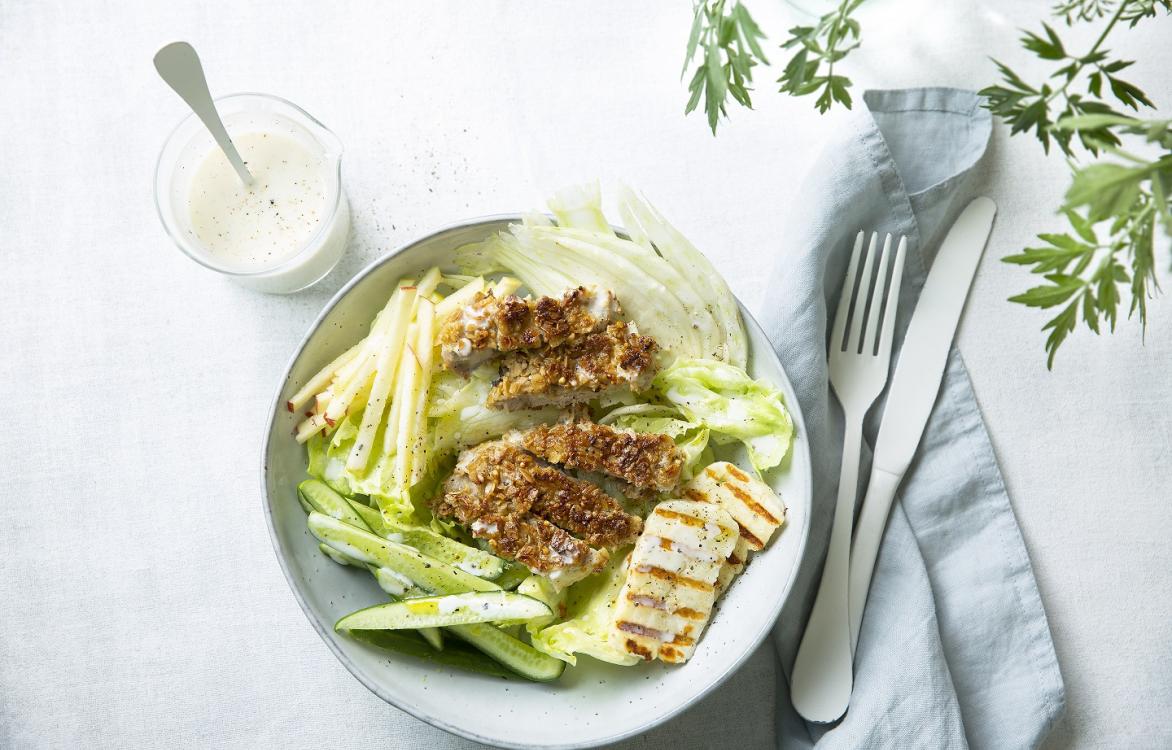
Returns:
<point x="954" y="650"/>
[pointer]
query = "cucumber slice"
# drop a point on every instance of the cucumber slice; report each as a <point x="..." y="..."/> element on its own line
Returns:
<point x="305" y="506"/>
<point x="434" y="637"/>
<point x="389" y="581"/>
<point x="425" y="572"/>
<point x="400" y="587"/>
<point x="319" y="496"/>
<point x="456" y="654"/>
<point x="512" y="576"/>
<point x="338" y="557"/>
<point x="442" y="611"/>
<point x="514" y="654"/>
<point x="469" y="559"/>
<point x="372" y="517"/>
<point x="439" y="578"/>
<point x="323" y="499"/>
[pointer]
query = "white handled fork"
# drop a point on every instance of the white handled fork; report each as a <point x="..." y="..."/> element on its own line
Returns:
<point x="859" y="363"/>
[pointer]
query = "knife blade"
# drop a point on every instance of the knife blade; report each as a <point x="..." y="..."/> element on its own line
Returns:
<point x="915" y="386"/>
<point x="929" y="337"/>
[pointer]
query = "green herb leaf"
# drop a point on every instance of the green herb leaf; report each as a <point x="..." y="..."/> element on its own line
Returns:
<point x="693" y="37"/>
<point x="1049" y="48"/>
<point x="828" y="42"/>
<point x="1113" y="206"/>
<point x="1105" y="189"/>
<point x="729" y="45"/>
<point x="750" y="32"/>
<point x="1129" y="94"/>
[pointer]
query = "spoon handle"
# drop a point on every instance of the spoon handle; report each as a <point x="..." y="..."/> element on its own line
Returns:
<point x="179" y="66"/>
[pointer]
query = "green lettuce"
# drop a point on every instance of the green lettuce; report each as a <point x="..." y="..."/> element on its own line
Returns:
<point x="459" y="418"/>
<point x="400" y="505"/>
<point x="589" y="606"/>
<point x="730" y="403"/>
<point x="542" y="589"/>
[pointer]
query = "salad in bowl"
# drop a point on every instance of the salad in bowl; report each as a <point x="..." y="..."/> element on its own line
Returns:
<point x="546" y="451"/>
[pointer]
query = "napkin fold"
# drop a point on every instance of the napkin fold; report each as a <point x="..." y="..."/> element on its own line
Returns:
<point x="954" y="650"/>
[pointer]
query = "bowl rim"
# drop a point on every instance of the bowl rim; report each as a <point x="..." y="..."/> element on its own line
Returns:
<point x="371" y="684"/>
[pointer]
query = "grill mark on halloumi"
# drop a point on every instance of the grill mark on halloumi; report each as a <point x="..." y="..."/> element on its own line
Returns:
<point x="637" y="629"/>
<point x="675" y="578"/>
<point x="748" y="500"/>
<point x="671" y="545"/>
<point x="752" y="503"/>
<point x="646" y="601"/>
<point x="632" y="647"/>
<point x="642" y="600"/>
<point x="689" y="613"/>
<point x="748" y="536"/>
<point x="681" y="517"/>
<point x="736" y="473"/>
<point x="669" y="654"/>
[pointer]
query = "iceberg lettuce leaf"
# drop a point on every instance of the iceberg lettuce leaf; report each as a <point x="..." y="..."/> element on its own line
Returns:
<point x="730" y="403"/>
<point x="459" y="417"/>
<point x="589" y="606"/>
<point x="327" y="462"/>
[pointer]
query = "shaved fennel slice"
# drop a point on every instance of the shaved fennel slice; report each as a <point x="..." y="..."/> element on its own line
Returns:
<point x="696" y="314"/>
<point x="500" y="253"/>
<point x="580" y="207"/>
<point x="644" y="299"/>
<point x="644" y="221"/>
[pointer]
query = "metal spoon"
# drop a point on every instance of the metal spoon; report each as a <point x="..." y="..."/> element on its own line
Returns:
<point x="179" y="66"/>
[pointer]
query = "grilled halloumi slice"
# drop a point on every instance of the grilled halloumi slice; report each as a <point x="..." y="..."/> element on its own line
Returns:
<point x="732" y="566"/>
<point x="757" y="510"/>
<point x="670" y="587"/>
<point x="753" y="504"/>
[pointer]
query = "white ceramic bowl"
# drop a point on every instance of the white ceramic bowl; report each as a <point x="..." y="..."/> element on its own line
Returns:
<point x="593" y="703"/>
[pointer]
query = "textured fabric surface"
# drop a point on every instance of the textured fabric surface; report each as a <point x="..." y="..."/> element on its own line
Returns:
<point x="140" y="602"/>
<point x="954" y="642"/>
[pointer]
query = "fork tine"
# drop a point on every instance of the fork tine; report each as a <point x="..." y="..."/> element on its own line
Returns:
<point x="855" y="343"/>
<point x="877" y="291"/>
<point x="838" y="339"/>
<point x="892" y="301"/>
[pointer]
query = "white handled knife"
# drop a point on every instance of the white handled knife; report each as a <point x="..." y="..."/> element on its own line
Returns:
<point x="914" y="387"/>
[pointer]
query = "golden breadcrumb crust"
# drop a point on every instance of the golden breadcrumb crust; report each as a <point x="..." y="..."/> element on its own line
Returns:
<point x="644" y="460"/>
<point x="616" y="358"/>
<point x="488" y="325"/>
<point x="531" y="512"/>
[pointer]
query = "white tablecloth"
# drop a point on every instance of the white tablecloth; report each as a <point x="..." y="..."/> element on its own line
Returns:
<point x="140" y="602"/>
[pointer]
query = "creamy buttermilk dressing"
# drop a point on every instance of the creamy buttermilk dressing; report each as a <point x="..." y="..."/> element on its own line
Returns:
<point x="282" y="232"/>
<point x="258" y="226"/>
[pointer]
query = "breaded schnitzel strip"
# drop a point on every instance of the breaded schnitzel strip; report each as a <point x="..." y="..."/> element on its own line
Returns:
<point x="488" y="325"/>
<point x="644" y="460"/>
<point x="614" y="359"/>
<point x="532" y="512"/>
